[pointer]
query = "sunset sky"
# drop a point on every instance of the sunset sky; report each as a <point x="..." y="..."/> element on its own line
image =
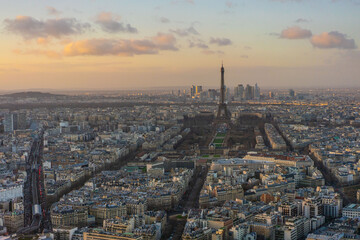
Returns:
<point x="137" y="44"/>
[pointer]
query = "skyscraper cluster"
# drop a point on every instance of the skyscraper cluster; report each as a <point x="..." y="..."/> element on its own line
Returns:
<point x="247" y="93"/>
<point x="14" y="121"/>
<point x="196" y="91"/>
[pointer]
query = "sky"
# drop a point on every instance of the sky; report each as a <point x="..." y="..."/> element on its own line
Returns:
<point x="140" y="44"/>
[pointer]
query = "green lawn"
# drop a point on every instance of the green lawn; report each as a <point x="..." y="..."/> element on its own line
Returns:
<point x="218" y="140"/>
<point x="217" y="145"/>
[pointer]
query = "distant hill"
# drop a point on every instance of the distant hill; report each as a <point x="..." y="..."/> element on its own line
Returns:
<point x="32" y="95"/>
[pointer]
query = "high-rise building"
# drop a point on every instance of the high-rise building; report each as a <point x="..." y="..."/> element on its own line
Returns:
<point x="195" y="91"/>
<point x="212" y="94"/>
<point x="257" y="92"/>
<point x="249" y="92"/>
<point x="21" y="121"/>
<point x="8" y="123"/>
<point x="291" y="93"/>
<point x="239" y="92"/>
<point x="14" y="121"/>
<point x="271" y="95"/>
<point x="228" y="95"/>
<point x="198" y="90"/>
<point x="236" y="91"/>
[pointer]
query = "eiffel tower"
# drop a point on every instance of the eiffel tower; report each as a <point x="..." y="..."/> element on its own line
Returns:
<point x="223" y="115"/>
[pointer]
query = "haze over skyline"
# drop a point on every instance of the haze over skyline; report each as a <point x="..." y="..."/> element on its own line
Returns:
<point x="109" y="44"/>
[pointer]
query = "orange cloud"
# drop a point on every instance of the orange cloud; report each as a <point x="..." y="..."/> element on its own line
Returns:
<point x="165" y="41"/>
<point x="111" y="23"/>
<point x="121" y="47"/>
<point x="295" y="33"/>
<point x="43" y="41"/>
<point x="333" y="39"/>
<point x="31" y="28"/>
